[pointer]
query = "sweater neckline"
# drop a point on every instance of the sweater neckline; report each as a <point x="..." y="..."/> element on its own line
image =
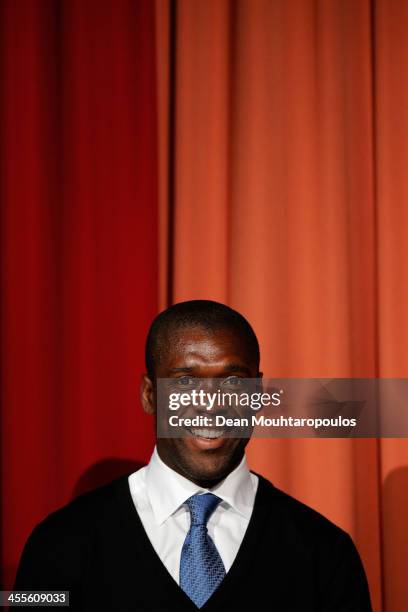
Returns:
<point x="139" y="541"/>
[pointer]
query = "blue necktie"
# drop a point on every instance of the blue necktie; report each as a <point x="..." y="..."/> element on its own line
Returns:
<point x="201" y="567"/>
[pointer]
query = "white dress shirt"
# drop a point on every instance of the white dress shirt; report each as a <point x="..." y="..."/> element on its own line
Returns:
<point x="159" y="493"/>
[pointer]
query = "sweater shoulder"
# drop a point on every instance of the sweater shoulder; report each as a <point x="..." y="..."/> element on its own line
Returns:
<point x="296" y="514"/>
<point x="91" y="508"/>
<point x="58" y="551"/>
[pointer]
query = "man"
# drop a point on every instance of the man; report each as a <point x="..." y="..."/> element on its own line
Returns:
<point x="195" y="528"/>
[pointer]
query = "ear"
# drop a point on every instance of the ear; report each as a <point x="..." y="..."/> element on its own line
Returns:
<point x="147" y="395"/>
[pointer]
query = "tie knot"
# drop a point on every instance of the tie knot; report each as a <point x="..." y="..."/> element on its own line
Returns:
<point x="201" y="507"/>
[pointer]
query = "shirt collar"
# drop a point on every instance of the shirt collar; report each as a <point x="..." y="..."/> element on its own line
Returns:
<point x="167" y="490"/>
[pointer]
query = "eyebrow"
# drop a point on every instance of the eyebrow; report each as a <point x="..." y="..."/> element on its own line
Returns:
<point x="238" y="367"/>
<point x="230" y="367"/>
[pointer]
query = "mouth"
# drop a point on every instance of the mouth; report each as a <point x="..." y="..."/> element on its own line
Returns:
<point x="206" y="438"/>
<point x="206" y="433"/>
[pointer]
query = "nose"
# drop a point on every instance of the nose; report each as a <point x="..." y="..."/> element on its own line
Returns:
<point x="210" y="399"/>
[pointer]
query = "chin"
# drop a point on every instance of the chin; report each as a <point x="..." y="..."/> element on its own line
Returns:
<point x="211" y="465"/>
<point x="203" y="461"/>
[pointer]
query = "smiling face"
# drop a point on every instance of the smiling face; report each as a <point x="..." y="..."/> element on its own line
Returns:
<point x="199" y="353"/>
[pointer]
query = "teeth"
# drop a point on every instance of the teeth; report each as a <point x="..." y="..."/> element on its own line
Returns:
<point x="207" y="433"/>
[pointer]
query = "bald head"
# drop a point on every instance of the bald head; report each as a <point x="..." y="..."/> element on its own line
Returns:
<point x="206" y="315"/>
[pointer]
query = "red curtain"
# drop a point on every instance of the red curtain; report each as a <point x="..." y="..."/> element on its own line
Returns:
<point x="78" y="250"/>
<point x="282" y="130"/>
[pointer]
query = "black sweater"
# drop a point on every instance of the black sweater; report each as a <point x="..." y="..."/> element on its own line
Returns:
<point x="291" y="559"/>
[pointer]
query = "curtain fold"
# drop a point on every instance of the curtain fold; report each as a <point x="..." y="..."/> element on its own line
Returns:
<point x="289" y="203"/>
<point x="78" y="252"/>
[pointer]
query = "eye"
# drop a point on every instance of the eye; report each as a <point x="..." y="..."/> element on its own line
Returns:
<point x="233" y="381"/>
<point x="185" y="381"/>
